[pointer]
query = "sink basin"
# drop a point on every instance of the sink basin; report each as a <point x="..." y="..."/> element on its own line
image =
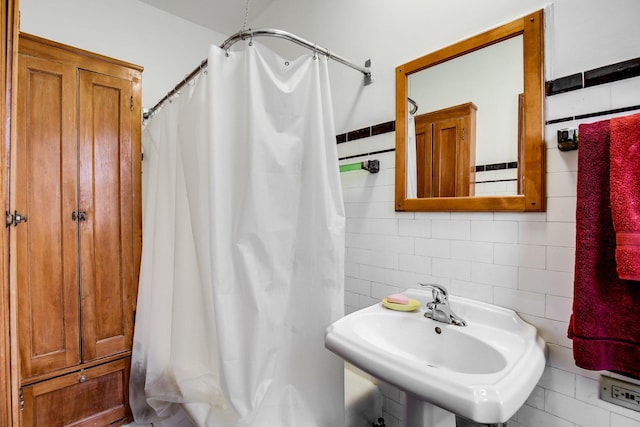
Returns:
<point x="406" y="337"/>
<point x="483" y="371"/>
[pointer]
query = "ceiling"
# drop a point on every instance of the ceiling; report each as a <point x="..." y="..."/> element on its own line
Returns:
<point x="224" y="16"/>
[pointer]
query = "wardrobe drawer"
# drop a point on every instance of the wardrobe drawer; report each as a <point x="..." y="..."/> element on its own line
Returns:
<point x="96" y="396"/>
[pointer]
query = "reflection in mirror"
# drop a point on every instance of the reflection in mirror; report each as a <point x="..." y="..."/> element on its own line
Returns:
<point x="445" y="146"/>
<point x="492" y="79"/>
<point x="475" y="141"/>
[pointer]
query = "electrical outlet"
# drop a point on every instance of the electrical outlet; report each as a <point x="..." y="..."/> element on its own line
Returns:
<point x="619" y="392"/>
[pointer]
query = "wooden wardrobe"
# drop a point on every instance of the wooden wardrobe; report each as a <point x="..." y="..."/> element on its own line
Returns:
<point x="75" y="233"/>
<point x="446" y="152"/>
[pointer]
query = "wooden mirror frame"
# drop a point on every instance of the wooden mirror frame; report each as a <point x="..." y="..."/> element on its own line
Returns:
<point x="531" y="171"/>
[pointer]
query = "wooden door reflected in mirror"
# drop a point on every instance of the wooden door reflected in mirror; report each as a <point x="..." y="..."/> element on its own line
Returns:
<point x="445" y="150"/>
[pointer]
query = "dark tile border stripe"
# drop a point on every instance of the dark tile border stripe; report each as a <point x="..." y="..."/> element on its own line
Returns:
<point x="564" y="84"/>
<point x="596" y="114"/>
<point x="563" y="119"/>
<point x="611" y="73"/>
<point x="366" y="132"/>
<point x="497" y="166"/>
<point x="359" y="134"/>
<point x="496" y="180"/>
<point x="597" y="76"/>
<point x="603" y="113"/>
<point x="383" y="128"/>
<point x="389" y="150"/>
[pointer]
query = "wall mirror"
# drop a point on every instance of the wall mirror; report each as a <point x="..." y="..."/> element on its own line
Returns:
<point x="469" y="123"/>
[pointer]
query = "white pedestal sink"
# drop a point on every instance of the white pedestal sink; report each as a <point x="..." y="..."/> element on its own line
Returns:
<point x="483" y="371"/>
<point x="420" y="413"/>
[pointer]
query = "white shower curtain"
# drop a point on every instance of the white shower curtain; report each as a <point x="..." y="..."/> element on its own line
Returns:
<point x="242" y="267"/>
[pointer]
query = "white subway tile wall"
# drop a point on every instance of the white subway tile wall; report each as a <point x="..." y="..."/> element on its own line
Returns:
<point x="523" y="261"/>
<point x="501" y="181"/>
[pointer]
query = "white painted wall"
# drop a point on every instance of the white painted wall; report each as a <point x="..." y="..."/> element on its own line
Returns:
<point x="581" y="34"/>
<point x="521" y="261"/>
<point x="491" y="78"/>
<point x="167" y="47"/>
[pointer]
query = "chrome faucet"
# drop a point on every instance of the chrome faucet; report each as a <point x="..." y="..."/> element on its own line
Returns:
<point x="439" y="308"/>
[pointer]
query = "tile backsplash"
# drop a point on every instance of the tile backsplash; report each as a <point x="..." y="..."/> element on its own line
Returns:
<point x="523" y="261"/>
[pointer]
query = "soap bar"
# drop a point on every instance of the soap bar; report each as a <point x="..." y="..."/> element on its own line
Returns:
<point x="398" y="299"/>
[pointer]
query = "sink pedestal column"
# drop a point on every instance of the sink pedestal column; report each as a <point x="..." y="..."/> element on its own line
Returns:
<point x="418" y="413"/>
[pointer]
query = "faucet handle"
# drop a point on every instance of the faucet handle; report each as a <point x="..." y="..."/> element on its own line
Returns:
<point x="439" y="292"/>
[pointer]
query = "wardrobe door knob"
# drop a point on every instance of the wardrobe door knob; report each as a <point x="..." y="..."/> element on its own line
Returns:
<point x="82" y="378"/>
<point x="15" y="219"/>
<point x="79" y="216"/>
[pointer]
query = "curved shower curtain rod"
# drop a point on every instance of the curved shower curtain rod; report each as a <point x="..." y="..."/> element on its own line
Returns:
<point x="266" y="32"/>
<point x="414" y="106"/>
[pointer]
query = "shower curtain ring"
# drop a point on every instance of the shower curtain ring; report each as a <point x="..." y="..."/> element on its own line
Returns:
<point x="226" y="53"/>
<point x="315" y="51"/>
<point x="250" y="37"/>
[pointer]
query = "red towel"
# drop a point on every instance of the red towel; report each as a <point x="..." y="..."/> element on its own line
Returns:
<point x="625" y="193"/>
<point x="605" y="324"/>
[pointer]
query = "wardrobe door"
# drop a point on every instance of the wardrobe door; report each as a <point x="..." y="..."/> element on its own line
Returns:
<point x="106" y="195"/>
<point x="446" y="151"/>
<point x="45" y="195"/>
<point x="92" y="397"/>
<point x="450" y="159"/>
